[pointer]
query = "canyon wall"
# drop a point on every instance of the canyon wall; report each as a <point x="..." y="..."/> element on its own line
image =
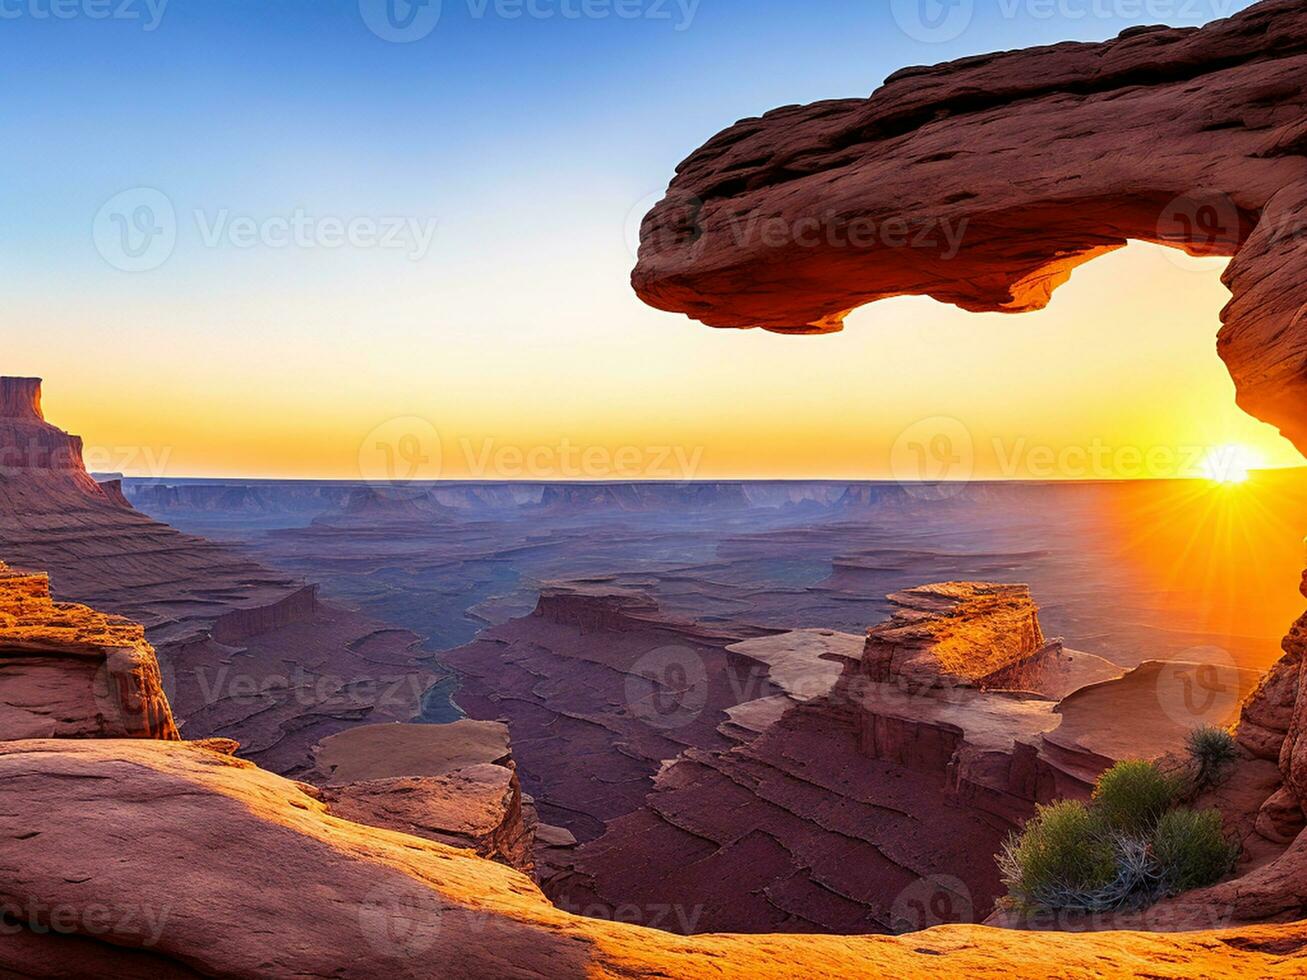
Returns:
<point x="67" y="671"/>
<point x="244" y="651"/>
<point x="795" y="782"/>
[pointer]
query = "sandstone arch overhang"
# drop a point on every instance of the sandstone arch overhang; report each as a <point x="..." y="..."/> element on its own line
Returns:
<point x="984" y="182"/>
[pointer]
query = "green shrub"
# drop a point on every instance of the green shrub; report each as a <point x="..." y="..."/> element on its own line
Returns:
<point x="1213" y="751"/>
<point x="1191" y="850"/>
<point x="1133" y="795"/>
<point x="1064" y="853"/>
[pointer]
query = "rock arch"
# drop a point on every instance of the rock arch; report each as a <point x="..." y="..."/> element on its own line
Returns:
<point x="985" y="182"/>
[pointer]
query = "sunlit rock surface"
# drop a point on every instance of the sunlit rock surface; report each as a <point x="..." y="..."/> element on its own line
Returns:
<point x="67" y="671"/>
<point x="455" y="783"/>
<point x="248" y="876"/>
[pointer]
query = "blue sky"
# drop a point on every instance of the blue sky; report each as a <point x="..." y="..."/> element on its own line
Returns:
<point x="257" y="103"/>
<point x="526" y="137"/>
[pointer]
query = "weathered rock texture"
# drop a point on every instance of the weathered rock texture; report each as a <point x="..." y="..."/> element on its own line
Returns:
<point x="479" y="808"/>
<point x="977" y="634"/>
<point x="455" y="783"/>
<point x="878" y="781"/>
<point x="599" y="689"/>
<point x="245" y="651"/>
<point x="985" y="182"/>
<point x="248" y="876"/>
<point x="1273" y="726"/>
<point x="67" y="671"/>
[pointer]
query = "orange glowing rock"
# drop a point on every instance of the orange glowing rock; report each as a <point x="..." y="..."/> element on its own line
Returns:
<point x="68" y="671"/>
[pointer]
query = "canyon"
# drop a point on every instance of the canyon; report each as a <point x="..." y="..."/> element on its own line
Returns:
<point x="245" y="652"/>
<point x="727" y="722"/>
<point x="385" y="900"/>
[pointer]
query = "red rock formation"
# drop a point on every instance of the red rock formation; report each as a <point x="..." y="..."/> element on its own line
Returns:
<point x="970" y="633"/>
<point x="248" y="876"/>
<point x="245" y="651"/>
<point x="855" y="795"/>
<point x="479" y="807"/>
<point x="599" y="690"/>
<point x="984" y="182"/>
<point x="67" y="671"/>
<point x="1273" y="725"/>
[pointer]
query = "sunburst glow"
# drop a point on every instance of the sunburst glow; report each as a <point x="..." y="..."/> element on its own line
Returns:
<point x="1230" y="464"/>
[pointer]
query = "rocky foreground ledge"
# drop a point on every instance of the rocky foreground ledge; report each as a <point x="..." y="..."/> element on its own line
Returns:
<point x="240" y="873"/>
<point x="67" y="671"/>
<point x="152" y="857"/>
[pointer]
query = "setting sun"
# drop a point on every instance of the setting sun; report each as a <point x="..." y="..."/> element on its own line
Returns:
<point x="1230" y="463"/>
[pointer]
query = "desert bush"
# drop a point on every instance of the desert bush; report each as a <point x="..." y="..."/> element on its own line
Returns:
<point x="1213" y="751"/>
<point x="1062" y="858"/>
<point x="1191" y="850"/>
<point x="1133" y="795"/>
<point x="1128" y="848"/>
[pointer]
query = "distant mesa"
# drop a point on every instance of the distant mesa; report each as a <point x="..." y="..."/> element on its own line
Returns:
<point x="20" y="398"/>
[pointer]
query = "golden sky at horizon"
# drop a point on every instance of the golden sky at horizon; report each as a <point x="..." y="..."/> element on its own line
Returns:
<point x="567" y="375"/>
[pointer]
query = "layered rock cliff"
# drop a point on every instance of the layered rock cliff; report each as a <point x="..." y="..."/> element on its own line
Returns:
<point x="880" y="777"/>
<point x="67" y="671"/>
<point x="976" y="634"/>
<point x="985" y="182"/>
<point x="244" y="651"/>
<point x="598" y="689"/>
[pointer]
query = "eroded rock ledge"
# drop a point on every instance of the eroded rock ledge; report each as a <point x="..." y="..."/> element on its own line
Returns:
<point x="984" y="182"/>
<point x="249" y="876"/>
<point x="68" y="671"/>
<point x="872" y="777"/>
